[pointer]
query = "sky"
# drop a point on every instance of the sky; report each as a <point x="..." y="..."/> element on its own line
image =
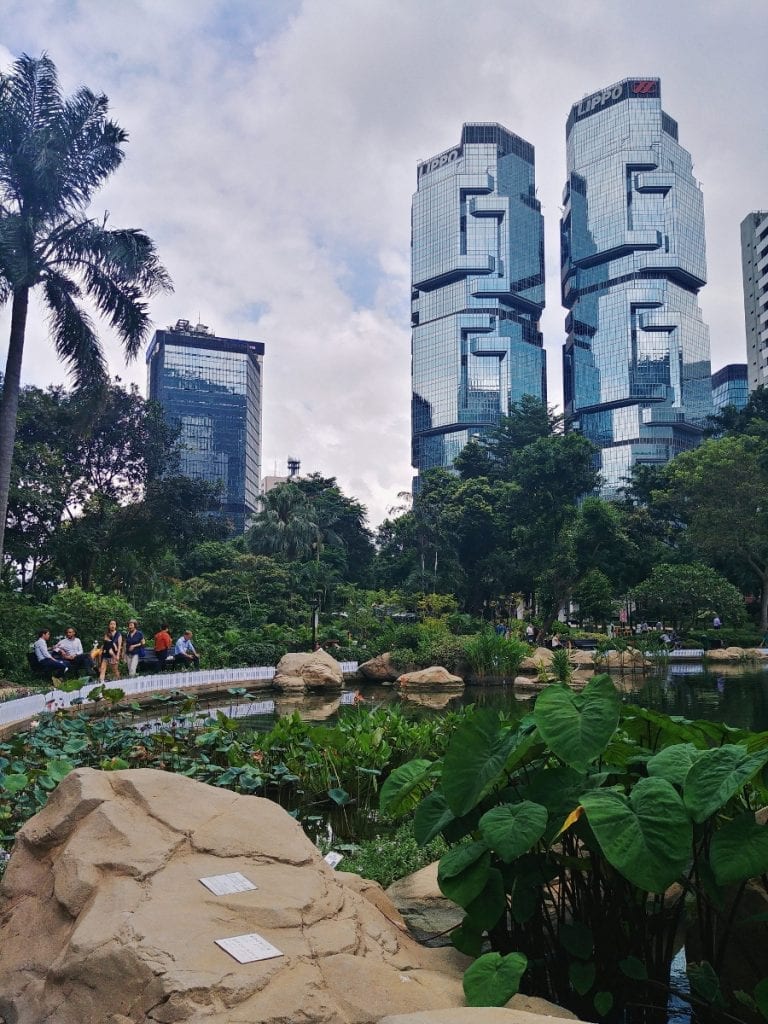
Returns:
<point x="272" y="157"/>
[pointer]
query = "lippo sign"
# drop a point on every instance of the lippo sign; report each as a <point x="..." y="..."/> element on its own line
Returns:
<point x="450" y="156"/>
<point x="634" y="88"/>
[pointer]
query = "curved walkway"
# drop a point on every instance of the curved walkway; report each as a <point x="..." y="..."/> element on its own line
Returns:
<point x="23" y="708"/>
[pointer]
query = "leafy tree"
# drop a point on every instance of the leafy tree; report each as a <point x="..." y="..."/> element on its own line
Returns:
<point x="748" y="420"/>
<point x="494" y="455"/>
<point x="683" y="594"/>
<point x="719" y="492"/>
<point x="348" y="543"/>
<point x="594" y="596"/>
<point x="54" y="154"/>
<point x="286" y="526"/>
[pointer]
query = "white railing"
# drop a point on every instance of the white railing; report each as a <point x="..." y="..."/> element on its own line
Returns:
<point x="13" y="711"/>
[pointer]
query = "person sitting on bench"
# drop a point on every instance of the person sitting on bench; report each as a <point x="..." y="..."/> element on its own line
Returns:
<point x="70" y="650"/>
<point x="184" y="652"/>
<point x="56" y="667"/>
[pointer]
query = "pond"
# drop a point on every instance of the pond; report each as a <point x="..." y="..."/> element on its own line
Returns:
<point x="732" y="695"/>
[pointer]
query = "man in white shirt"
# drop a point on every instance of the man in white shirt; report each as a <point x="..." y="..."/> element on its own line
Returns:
<point x="184" y="653"/>
<point x="70" y="650"/>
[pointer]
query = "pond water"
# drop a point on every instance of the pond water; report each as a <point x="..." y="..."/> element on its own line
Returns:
<point x="731" y="695"/>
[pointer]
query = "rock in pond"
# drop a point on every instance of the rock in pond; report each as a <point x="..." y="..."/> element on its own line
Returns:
<point x="379" y="669"/>
<point x="315" y="670"/>
<point x="433" y="678"/>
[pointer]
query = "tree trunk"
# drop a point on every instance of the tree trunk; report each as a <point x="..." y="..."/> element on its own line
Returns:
<point x="9" y="403"/>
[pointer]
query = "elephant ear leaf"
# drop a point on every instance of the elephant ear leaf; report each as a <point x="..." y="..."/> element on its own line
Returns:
<point x="493" y="979"/>
<point x="578" y="726"/>
<point x="647" y="837"/>
<point x="405" y="787"/>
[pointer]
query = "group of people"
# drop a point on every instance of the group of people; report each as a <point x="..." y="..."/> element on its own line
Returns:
<point x="116" y="646"/>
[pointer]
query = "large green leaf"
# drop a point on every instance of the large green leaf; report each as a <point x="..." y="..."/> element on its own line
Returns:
<point x="405" y="787"/>
<point x="578" y="726"/>
<point x="476" y="754"/>
<point x="467" y="938"/>
<point x="577" y="939"/>
<point x="647" y="837"/>
<point x="486" y="909"/>
<point x="493" y="979"/>
<point x="582" y="976"/>
<point x="718" y="775"/>
<point x="761" y="997"/>
<point x="673" y="763"/>
<point x="739" y="850"/>
<point x="463" y="872"/>
<point x="14" y="783"/>
<point x="514" y="828"/>
<point x="60" y="767"/>
<point x="432" y="815"/>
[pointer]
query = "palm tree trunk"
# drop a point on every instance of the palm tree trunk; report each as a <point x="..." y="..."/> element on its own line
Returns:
<point x="9" y="403"/>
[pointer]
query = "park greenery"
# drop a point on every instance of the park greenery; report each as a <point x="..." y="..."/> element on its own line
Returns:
<point x="580" y="836"/>
<point x="87" y="541"/>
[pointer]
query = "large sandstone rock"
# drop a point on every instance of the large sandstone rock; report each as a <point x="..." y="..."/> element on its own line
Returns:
<point x="726" y="654"/>
<point x="542" y="655"/>
<point x="379" y="669"/>
<point x="519" y="1010"/>
<point x="426" y="911"/>
<point x="103" y="918"/>
<point x="317" y="670"/>
<point x="581" y="659"/>
<point x="434" y="677"/>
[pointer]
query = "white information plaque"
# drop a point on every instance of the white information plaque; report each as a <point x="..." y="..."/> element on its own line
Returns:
<point x="224" y="885"/>
<point x="248" y="948"/>
<point x="333" y="858"/>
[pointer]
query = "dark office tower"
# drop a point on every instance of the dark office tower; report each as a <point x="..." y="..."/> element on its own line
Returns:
<point x="211" y="388"/>
<point x="477" y="279"/>
<point x="754" y="267"/>
<point x="636" y="361"/>
<point x="730" y="387"/>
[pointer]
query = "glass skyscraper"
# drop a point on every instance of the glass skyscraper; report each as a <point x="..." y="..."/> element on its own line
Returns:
<point x="477" y="278"/>
<point x="754" y="266"/>
<point x="636" y="361"/>
<point x="211" y="388"/>
<point x="730" y="386"/>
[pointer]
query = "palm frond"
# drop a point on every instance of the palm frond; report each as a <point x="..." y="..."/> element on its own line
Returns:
<point x="72" y="332"/>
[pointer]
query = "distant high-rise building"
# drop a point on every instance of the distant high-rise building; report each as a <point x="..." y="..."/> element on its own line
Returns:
<point x="477" y="279"/>
<point x="636" y="361"/>
<point x="211" y="388"/>
<point x="730" y="387"/>
<point x="754" y="267"/>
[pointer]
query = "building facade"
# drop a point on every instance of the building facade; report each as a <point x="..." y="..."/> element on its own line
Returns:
<point x="754" y="268"/>
<point x="636" y="361"/>
<point x="730" y="386"/>
<point x="477" y="279"/>
<point x="211" y="388"/>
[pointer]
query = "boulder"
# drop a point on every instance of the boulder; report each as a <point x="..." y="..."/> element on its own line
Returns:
<point x="726" y="654"/>
<point x="426" y="911"/>
<point x="104" y="917"/>
<point x="581" y="659"/>
<point x="534" y="661"/>
<point x="435" y="677"/>
<point x="379" y="669"/>
<point x="630" y="660"/>
<point x="316" y="670"/>
<point x="435" y="700"/>
<point x="519" y="1010"/>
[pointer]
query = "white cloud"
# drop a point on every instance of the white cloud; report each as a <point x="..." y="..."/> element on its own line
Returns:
<point x="273" y="152"/>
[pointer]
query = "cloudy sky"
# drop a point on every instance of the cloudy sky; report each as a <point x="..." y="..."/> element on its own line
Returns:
<point x="273" y="151"/>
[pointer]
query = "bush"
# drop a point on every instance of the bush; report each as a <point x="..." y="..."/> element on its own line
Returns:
<point x="389" y="857"/>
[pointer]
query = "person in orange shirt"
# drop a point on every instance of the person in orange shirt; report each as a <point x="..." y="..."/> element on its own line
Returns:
<point x="163" y="644"/>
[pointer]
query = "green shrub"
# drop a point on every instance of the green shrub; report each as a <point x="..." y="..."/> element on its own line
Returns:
<point x="577" y="836"/>
<point x="391" y="856"/>
<point x="489" y="654"/>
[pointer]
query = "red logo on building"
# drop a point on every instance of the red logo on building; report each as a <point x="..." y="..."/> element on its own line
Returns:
<point x="644" y="88"/>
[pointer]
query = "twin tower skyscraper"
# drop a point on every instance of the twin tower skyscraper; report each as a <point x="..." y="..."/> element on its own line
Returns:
<point x="636" y="362"/>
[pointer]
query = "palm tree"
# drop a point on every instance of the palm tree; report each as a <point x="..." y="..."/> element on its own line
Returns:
<point x="54" y="154"/>
<point x="286" y="525"/>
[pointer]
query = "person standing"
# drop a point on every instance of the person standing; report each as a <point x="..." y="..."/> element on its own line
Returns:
<point x="134" y="646"/>
<point x="57" y="666"/>
<point x="185" y="652"/>
<point x="70" y="650"/>
<point x="111" y="649"/>
<point x="163" y="643"/>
